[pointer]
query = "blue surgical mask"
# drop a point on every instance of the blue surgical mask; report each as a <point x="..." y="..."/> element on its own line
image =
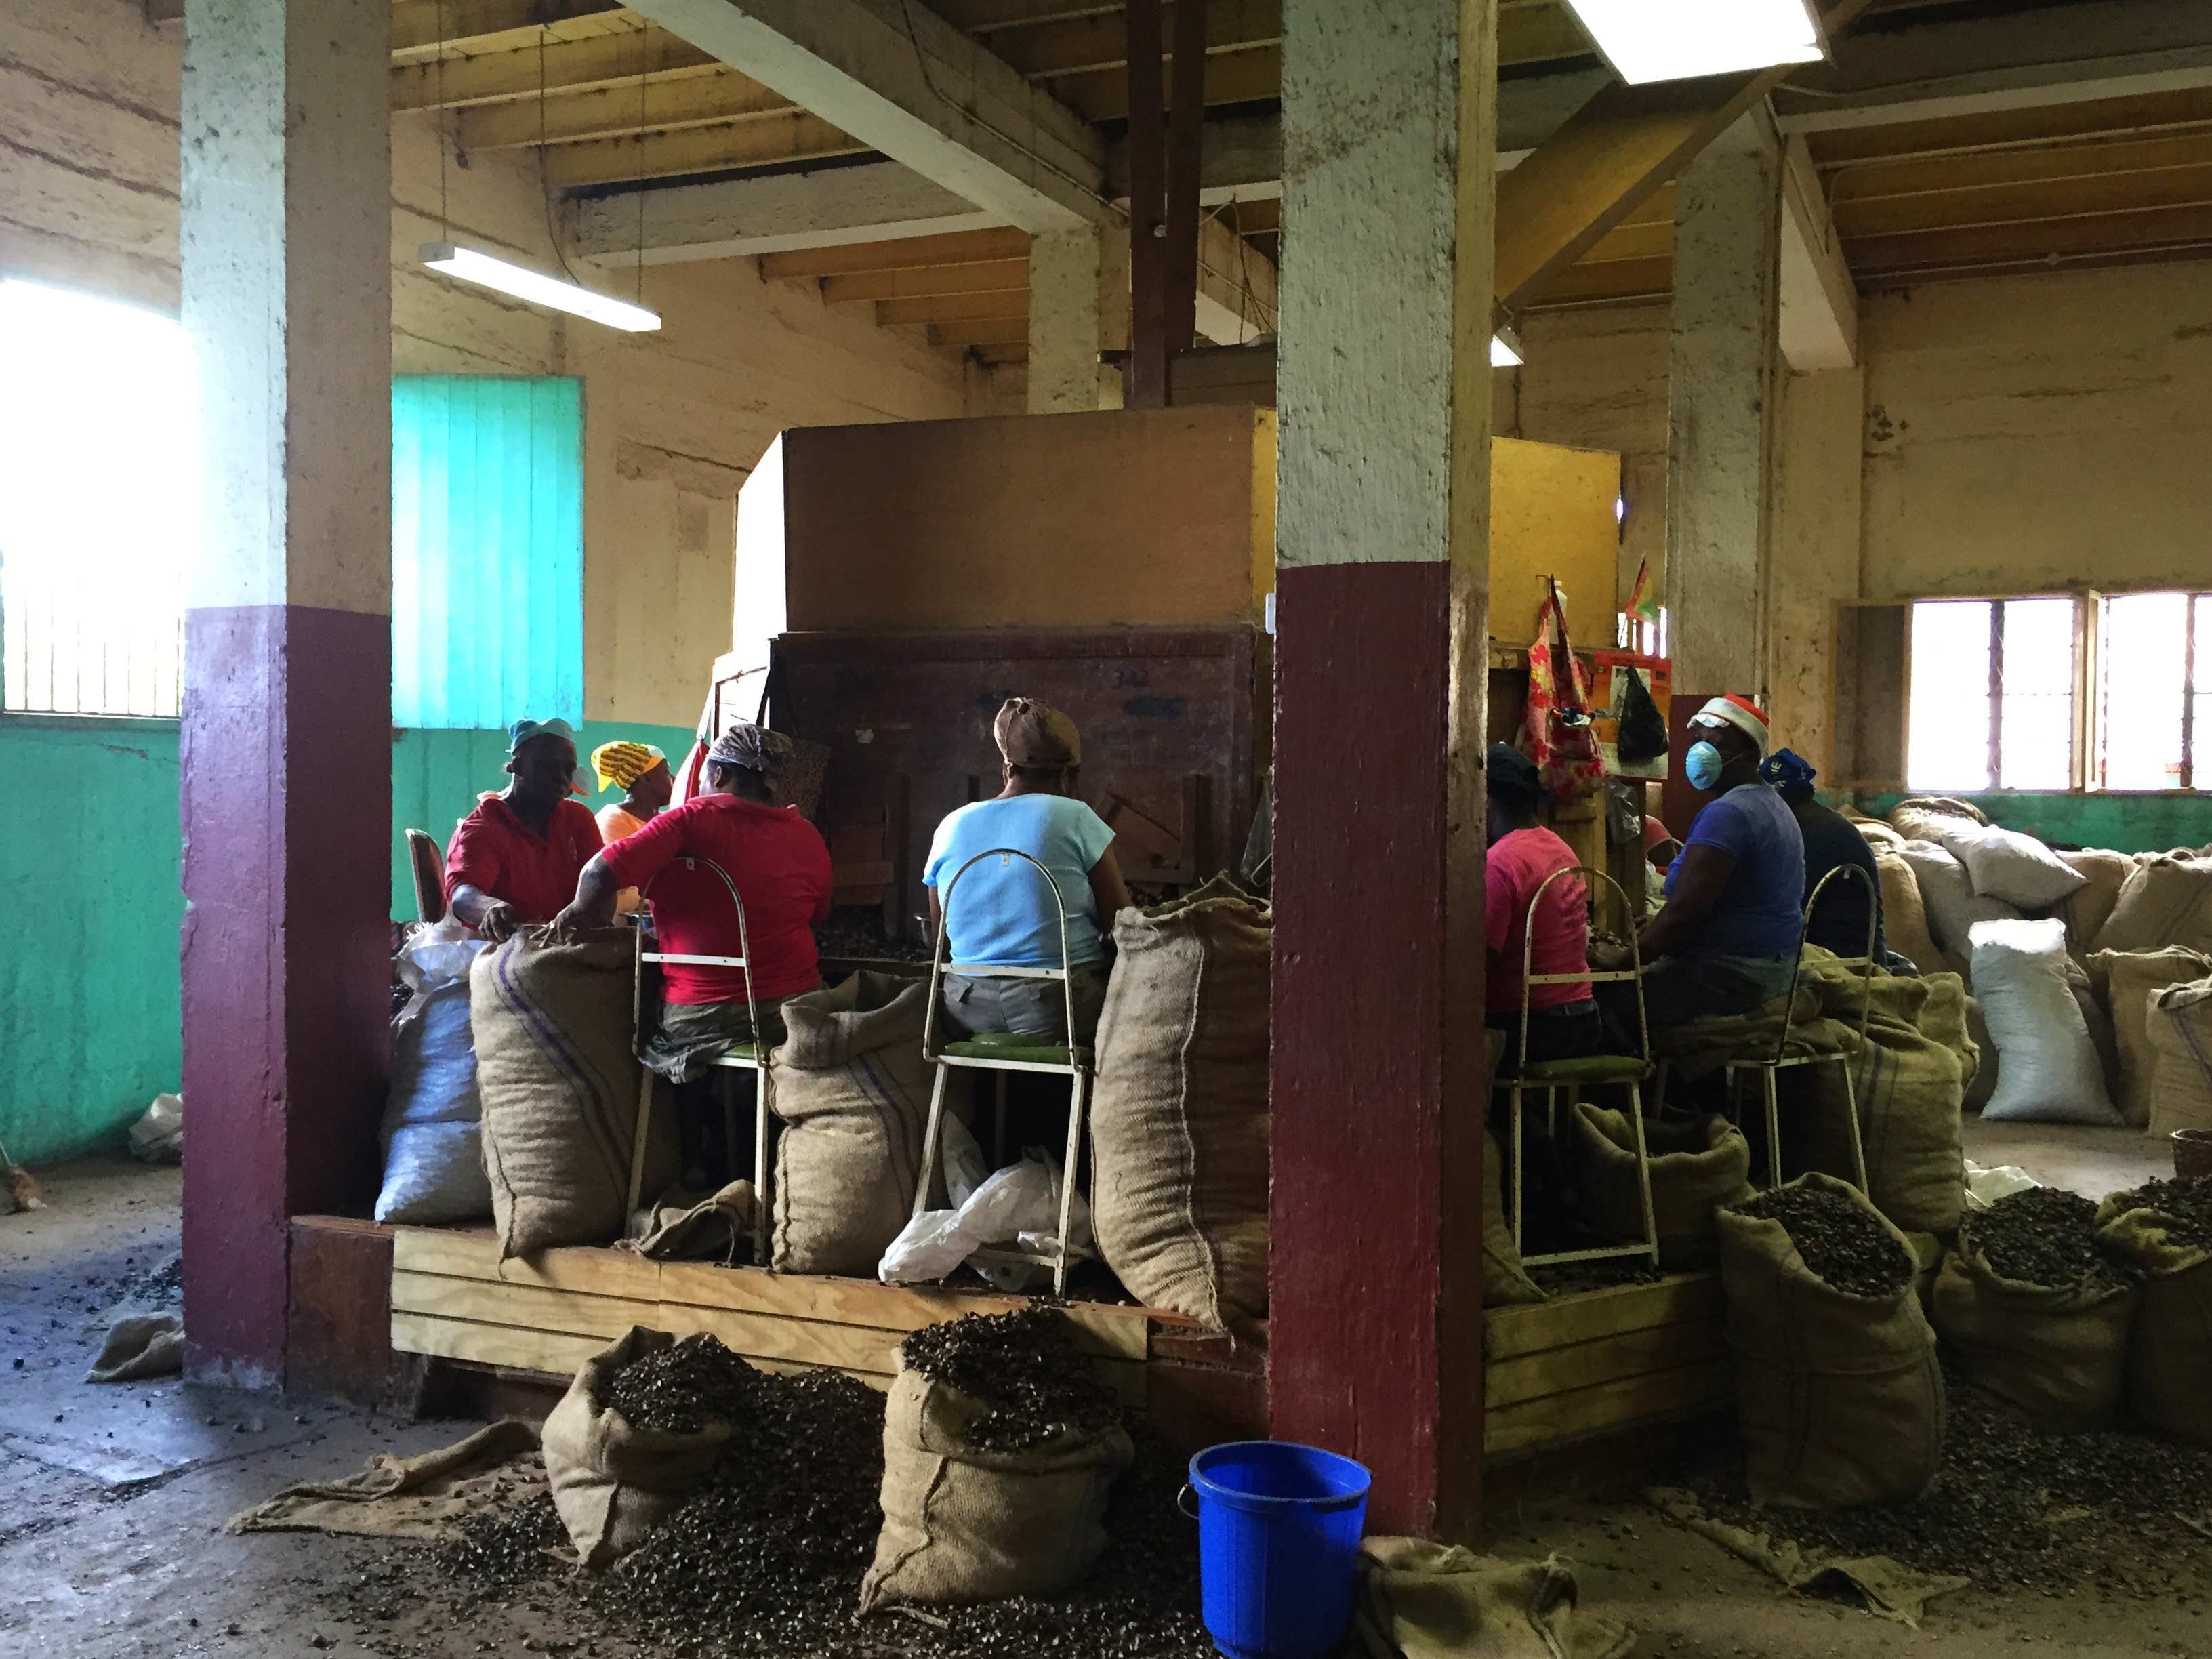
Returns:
<point x="1702" y="766"/>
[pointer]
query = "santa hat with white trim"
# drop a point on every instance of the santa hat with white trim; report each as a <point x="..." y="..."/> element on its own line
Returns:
<point x="1741" y="713"/>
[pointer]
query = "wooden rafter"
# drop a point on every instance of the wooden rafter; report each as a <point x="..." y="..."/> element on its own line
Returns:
<point x="955" y="309"/>
<point x="1231" y="77"/>
<point x="1101" y="41"/>
<point x="966" y="247"/>
<point x="470" y="25"/>
<point x="993" y="276"/>
<point x="619" y="111"/>
<point x="603" y="60"/>
<point x="1007" y="331"/>
<point x="769" y="139"/>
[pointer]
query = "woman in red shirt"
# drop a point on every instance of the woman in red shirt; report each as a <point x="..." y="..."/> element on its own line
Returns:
<point x="780" y="866"/>
<point x="515" y="860"/>
<point x="1563" y="1020"/>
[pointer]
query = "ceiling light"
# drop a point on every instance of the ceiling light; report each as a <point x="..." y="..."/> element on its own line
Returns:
<point x="1506" y="347"/>
<point x="1674" y="39"/>
<point x="538" y="287"/>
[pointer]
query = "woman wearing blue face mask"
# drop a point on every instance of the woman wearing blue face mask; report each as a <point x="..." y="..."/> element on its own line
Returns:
<point x="1728" y="935"/>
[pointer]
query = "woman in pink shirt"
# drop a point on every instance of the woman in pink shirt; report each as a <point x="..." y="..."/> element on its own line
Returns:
<point x="1563" y="1020"/>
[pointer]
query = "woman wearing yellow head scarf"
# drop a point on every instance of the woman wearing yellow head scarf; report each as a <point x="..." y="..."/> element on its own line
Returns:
<point x="640" y="771"/>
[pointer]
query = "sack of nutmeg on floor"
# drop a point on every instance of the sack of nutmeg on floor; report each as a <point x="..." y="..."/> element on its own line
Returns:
<point x="2164" y="1228"/>
<point x="1001" y="1446"/>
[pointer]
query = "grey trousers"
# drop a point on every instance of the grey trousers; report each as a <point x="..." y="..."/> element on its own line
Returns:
<point x="1027" y="1007"/>
<point x="1679" y="989"/>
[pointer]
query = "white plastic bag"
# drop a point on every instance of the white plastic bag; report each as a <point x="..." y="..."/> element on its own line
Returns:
<point x="433" y="1127"/>
<point x="2048" y="1071"/>
<point x="1986" y="1185"/>
<point x="1018" y="1205"/>
<point x="158" y="1136"/>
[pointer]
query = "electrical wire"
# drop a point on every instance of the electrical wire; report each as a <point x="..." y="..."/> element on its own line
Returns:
<point x="444" y="218"/>
<point x="545" y="174"/>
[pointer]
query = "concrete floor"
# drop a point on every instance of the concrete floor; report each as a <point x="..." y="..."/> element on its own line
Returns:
<point x="2091" y="1161"/>
<point x="111" y="1544"/>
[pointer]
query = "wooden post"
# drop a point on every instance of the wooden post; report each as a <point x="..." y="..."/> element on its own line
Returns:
<point x="1148" y="228"/>
<point x="1186" y="114"/>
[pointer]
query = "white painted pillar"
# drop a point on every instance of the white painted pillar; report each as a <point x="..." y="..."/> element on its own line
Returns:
<point x="1075" y="281"/>
<point x="286" y="735"/>
<point x="1389" y="111"/>
<point x="1720" y="369"/>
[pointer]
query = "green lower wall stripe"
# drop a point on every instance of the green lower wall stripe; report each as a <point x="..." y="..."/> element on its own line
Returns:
<point x="2124" y="823"/>
<point x="89" y="984"/>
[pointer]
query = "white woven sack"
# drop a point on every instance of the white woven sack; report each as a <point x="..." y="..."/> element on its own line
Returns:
<point x="2048" y="1071"/>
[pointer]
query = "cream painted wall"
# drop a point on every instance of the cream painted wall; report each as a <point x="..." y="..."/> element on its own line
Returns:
<point x="2029" y="433"/>
<point x="1815" y="553"/>
<point x="674" y="420"/>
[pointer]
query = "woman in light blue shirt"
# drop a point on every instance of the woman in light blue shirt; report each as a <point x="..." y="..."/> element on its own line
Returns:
<point x="1004" y="916"/>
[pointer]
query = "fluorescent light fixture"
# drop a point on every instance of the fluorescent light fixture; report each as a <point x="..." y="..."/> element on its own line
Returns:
<point x="1674" y="39"/>
<point x="1506" y="347"/>
<point x="538" y="287"/>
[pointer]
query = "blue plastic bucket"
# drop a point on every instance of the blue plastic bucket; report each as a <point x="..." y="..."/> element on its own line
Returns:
<point x="1278" y="1529"/>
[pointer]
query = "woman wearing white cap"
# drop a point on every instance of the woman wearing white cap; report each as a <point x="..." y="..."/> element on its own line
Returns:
<point x="1728" y="936"/>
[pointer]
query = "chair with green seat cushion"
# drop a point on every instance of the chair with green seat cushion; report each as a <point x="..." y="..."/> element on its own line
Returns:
<point x="1004" y="1052"/>
<point x="739" y="1056"/>
<point x="1630" y="1071"/>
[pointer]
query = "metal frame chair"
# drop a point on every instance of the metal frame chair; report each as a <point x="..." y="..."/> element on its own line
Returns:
<point x="1004" y="1052"/>
<point x="428" y="865"/>
<point x="1770" y="1069"/>
<point x="743" y="1057"/>
<point x="1551" y="1075"/>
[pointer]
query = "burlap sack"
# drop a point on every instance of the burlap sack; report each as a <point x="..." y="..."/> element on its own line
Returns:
<point x="615" y="1485"/>
<point x="1953" y="907"/>
<point x="2058" y="1354"/>
<point x="1708" y="1166"/>
<point x="1417" y="1600"/>
<point x="551" y="1024"/>
<point x="1504" y="1284"/>
<point x="1907" y="1083"/>
<point x="962" y="1525"/>
<point x="1877" y="832"/>
<point x="2180" y="1026"/>
<point x="1984" y="1083"/>
<point x="1924" y="817"/>
<point x="1838" y="1396"/>
<point x="2128" y="980"/>
<point x="2170" y="1348"/>
<point x="1179" y="1127"/>
<point x="2004" y="864"/>
<point x="1904" y="916"/>
<point x="2168" y="902"/>
<point x="851" y="1087"/>
<point x="2085" y="911"/>
<point x="2096" y="1020"/>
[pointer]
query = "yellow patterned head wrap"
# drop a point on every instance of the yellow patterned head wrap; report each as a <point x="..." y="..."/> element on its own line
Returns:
<point x="621" y="764"/>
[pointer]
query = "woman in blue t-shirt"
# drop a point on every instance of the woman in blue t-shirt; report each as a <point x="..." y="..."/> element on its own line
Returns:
<point x="1004" y="916"/>
<point x="1727" y="938"/>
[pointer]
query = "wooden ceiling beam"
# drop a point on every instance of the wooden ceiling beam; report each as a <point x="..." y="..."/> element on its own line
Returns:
<point x="1103" y="41"/>
<point x="907" y="253"/>
<point x="2114" y="158"/>
<point x="978" y="309"/>
<point x="691" y="100"/>
<point x="1616" y="282"/>
<point x="1886" y="282"/>
<point x="2093" y="197"/>
<point x="993" y="276"/>
<point x="768" y="140"/>
<point x="980" y="16"/>
<point x="1612" y="155"/>
<point x="1011" y="332"/>
<point x="2145" y="115"/>
<point x="997" y="355"/>
<point x="1231" y="77"/>
<point x="2177" y="227"/>
<point x="603" y="60"/>
<point x="464" y="25"/>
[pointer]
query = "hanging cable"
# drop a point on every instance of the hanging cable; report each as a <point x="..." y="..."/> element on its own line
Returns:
<point x="544" y="175"/>
<point x="444" y="218"/>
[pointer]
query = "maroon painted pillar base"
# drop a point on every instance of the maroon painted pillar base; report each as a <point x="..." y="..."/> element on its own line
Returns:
<point x="287" y="804"/>
<point x="1374" y="1266"/>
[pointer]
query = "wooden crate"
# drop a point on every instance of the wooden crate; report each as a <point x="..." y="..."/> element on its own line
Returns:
<point x="454" y="1298"/>
<point x="1587" y="1365"/>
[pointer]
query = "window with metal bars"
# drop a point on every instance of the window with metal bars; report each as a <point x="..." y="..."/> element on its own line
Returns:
<point x="2155" y="691"/>
<point x="99" y="504"/>
<point x="1992" y="698"/>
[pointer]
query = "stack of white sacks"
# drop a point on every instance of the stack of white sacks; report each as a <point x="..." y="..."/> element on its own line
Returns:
<point x="2091" y="972"/>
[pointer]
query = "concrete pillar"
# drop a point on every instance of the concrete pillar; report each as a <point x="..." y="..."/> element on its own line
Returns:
<point x="1817" y="511"/>
<point x="1079" y="293"/>
<point x="1721" y="364"/>
<point x="1378" y="1067"/>
<point x="287" y="750"/>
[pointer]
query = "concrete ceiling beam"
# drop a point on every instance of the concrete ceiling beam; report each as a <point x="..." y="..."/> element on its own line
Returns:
<point x="871" y="201"/>
<point x="903" y="80"/>
<point x="1820" y="303"/>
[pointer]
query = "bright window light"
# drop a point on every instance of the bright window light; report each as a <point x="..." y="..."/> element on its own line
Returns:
<point x="538" y="287"/>
<point x="1504" y="351"/>
<point x="100" y="521"/>
<point x="1673" y="39"/>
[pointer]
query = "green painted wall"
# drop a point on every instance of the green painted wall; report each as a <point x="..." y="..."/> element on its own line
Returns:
<point x="436" y="777"/>
<point x="2126" y="823"/>
<point x="93" y="866"/>
<point x="90" y="986"/>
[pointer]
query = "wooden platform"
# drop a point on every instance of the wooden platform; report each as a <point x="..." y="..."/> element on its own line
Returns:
<point x="1601" y="1361"/>
<point x="453" y="1298"/>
